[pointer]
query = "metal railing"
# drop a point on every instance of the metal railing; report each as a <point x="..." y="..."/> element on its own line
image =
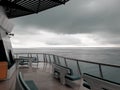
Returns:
<point x="102" y="70"/>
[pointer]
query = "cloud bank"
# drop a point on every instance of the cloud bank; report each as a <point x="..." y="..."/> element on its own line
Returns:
<point x="99" y="19"/>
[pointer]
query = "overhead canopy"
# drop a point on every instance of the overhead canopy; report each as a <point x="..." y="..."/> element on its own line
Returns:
<point x="17" y="8"/>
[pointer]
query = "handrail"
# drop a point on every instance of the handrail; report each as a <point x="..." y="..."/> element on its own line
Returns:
<point x="101" y="67"/>
<point x="112" y="65"/>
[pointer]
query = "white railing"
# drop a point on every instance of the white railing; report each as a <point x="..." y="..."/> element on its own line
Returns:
<point x="101" y="70"/>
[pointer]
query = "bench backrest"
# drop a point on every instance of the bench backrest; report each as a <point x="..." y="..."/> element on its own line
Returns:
<point x="100" y="84"/>
<point x="62" y="68"/>
<point x="20" y="83"/>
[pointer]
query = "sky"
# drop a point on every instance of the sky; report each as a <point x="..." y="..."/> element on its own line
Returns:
<point x="78" y="23"/>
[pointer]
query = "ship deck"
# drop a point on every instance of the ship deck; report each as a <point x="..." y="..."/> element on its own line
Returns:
<point x="42" y="77"/>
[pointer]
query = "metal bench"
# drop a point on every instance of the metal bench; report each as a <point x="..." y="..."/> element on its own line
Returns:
<point x="24" y="85"/>
<point x="96" y="83"/>
<point x="65" y="74"/>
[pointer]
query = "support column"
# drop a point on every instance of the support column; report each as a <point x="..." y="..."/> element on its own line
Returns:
<point x="6" y="52"/>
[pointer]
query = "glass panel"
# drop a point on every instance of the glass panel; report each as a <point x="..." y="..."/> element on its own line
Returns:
<point x="15" y="55"/>
<point x="40" y="56"/>
<point x="33" y="55"/>
<point x="51" y="57"/>
<point x="73" y="65"/>
<point x="37" y="57"/>
<point x="62" y="61"/>
<point x="22" y="55"/>
<point x="111" y="73"/>
<point x="89" y="68"/>
<point x="47" y="57"/>
<point x="56" y="59"/>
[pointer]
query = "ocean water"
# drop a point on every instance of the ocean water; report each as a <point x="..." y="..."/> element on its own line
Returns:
<point x="102" y="55"/>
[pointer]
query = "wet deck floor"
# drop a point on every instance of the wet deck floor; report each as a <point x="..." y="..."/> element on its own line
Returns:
<point x="42" y="77"/>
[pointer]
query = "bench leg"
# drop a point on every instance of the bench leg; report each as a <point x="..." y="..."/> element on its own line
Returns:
<point x="62" y="79"/>
<point x="70" y="83"/>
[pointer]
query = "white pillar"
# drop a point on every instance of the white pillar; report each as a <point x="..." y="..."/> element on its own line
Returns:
<point x="6" y="27"/>
<point x="5" y="23"/>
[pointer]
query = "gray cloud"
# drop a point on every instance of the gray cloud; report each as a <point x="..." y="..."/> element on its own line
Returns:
<point x="109" y="38"/>
<point x="100" y="17"/>
<point x="78" y="16"/>
<point x="63" y="40"/>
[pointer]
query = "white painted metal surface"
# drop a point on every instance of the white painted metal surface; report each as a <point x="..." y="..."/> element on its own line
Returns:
<point x="100" y="84"/>
<point x="5" y="23"/>
<point x="63" y="72"/>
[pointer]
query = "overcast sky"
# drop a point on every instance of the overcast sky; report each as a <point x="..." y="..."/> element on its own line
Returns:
<point x="86" y="23"/>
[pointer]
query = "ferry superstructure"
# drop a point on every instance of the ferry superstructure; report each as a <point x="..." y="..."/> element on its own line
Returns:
<point x="42" y="71"/>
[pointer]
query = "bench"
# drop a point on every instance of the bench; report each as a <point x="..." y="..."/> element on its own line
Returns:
<point x="96" y="83"/>
<point x="86" y="84"/>
<point x="65" y="74"/>
<point x="24" y="85"/>
<point x="28" y="60"/>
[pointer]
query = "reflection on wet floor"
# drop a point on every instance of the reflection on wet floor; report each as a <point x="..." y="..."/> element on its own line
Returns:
<point x="42" y="77"/>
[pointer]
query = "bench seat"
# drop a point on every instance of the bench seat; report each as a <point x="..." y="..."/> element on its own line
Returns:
<point x="72" y="77"/>
<point x="65" y="74"/>
<point x="69" y="76"/>
<point x="21" y="84"/>
<point x="31" y="84"/>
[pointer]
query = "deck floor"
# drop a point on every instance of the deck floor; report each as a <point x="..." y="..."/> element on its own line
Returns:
<point x="42" y="76"/>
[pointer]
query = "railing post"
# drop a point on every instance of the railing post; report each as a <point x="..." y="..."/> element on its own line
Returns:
<point x="58" y="60"/>
<point x="37" y="56"/>
<point x="65" y="62"/>
<point x="80" y="72"/>
<point x="49" y="58"/>
<point x="44" y="58"/>
<point x="54" y="59"/>
<point x="28" y="55"/>
<point x="101" y="74"/>
<point x="37" y="59"/>
<point x="16" y="55"/>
